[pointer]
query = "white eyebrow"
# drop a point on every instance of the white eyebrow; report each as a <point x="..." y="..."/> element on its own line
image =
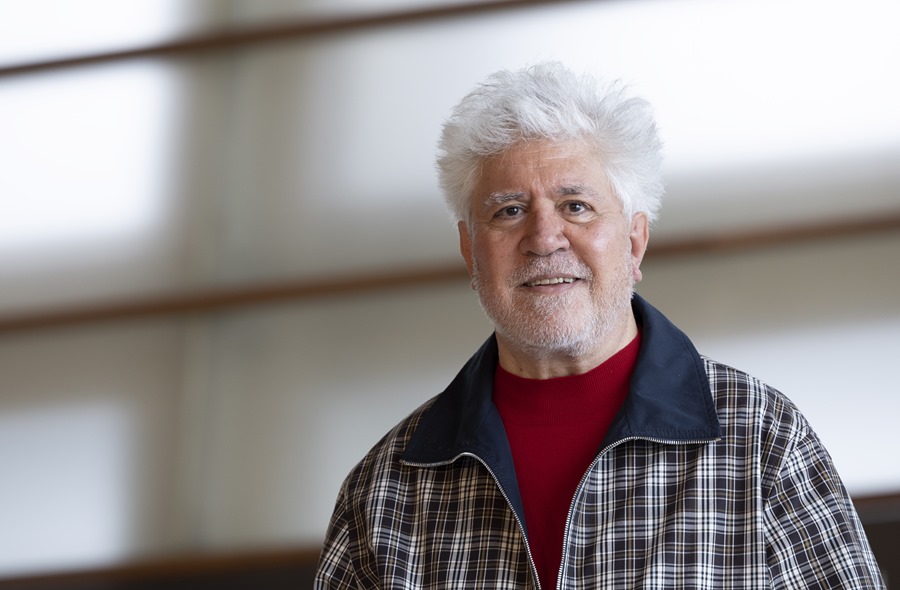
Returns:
<point x="496" y="199"/>
<point x="575" y="189"/>
<point x="499" y="198"/>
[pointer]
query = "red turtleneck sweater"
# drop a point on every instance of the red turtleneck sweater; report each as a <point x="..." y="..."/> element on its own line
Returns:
<point x="555" y="427"/>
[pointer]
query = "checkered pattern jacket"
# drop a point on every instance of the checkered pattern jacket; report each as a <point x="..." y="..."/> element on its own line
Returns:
<point x="708" y="478"/>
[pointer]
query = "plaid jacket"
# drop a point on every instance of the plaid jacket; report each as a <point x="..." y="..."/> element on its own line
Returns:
<point x="708" y="478"/>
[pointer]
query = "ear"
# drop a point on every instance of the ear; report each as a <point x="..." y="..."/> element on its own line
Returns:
<point x="639" y="236"/>
<point x="465" y="246"/>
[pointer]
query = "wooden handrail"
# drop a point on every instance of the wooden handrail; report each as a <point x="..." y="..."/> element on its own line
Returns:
<point x="295" y="30"/>
<point x="182" y="567"/>
<point x="216" y="299"/>
<point x="775" y="236"/>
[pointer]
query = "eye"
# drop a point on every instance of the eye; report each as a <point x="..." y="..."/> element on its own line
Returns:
<point x="575" y="207"/>
<point x="510" y="211"/>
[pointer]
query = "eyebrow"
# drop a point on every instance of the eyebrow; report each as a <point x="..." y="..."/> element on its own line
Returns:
<point x="499" y="198"/>
<point x="496" y="199"/>
<point x="576" y="189"/>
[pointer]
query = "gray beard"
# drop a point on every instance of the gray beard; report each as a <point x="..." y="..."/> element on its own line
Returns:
<point x="545" y="326"/>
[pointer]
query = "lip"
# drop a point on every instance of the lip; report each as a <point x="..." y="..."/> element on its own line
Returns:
<point x="550" y="281"/>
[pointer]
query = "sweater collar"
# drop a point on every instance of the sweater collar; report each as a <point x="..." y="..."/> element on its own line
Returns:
<point x="669" y="400"/>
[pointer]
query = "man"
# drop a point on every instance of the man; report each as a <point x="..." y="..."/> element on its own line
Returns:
<point x="586" y="444"/>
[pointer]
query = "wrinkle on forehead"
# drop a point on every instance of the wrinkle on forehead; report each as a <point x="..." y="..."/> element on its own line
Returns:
<point x="535" y="155"/>
<point x="544" y="149"/>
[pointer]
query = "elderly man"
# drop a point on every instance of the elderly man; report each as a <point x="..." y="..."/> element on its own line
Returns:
<point x="586" y="444"/>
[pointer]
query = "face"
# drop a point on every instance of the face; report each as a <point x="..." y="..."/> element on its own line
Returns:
<point x="551" y="254"/>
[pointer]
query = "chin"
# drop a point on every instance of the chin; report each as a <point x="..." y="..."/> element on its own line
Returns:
<point x="565" y="339"/>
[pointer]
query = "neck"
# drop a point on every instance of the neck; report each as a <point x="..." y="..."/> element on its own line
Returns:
<point x="547" y="364"/>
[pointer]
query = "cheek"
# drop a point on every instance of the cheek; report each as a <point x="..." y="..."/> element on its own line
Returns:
<point x="596" y="249"/>
<point x="490" y="268"/>
<point x="491" y="255"/>
<point x="606" y="242"/>
<point x="605" y="257"/>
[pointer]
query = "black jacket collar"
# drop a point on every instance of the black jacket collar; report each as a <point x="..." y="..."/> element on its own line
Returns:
<point x="669" y="400"/>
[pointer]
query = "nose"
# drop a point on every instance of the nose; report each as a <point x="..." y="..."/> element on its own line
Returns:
<point x="544" y="233"/>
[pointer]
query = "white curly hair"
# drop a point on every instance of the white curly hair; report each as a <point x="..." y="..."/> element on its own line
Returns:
<point x="549" y="102"/>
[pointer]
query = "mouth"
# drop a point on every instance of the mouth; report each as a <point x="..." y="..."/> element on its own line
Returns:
<point x="550" y="281"/>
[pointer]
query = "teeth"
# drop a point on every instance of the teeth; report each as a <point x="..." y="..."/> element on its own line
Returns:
<point x="553" y="281"/>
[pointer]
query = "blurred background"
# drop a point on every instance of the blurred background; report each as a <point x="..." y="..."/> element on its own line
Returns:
<point x="226" y="269"/>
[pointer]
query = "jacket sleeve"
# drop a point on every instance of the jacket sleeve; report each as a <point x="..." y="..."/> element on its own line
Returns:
<point x="336" y="569"/>
<point x="815" y="538"/>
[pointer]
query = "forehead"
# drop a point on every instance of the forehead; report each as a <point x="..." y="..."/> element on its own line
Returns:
<point x="528" y="164"/>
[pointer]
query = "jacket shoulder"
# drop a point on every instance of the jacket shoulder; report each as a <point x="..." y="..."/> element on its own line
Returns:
<point x="739" y="395"/>
<point x="766" y="422"/>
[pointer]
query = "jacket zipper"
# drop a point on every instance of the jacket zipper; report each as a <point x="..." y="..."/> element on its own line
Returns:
<point x="534" y="573"/>
<point x="578" y="490"/>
